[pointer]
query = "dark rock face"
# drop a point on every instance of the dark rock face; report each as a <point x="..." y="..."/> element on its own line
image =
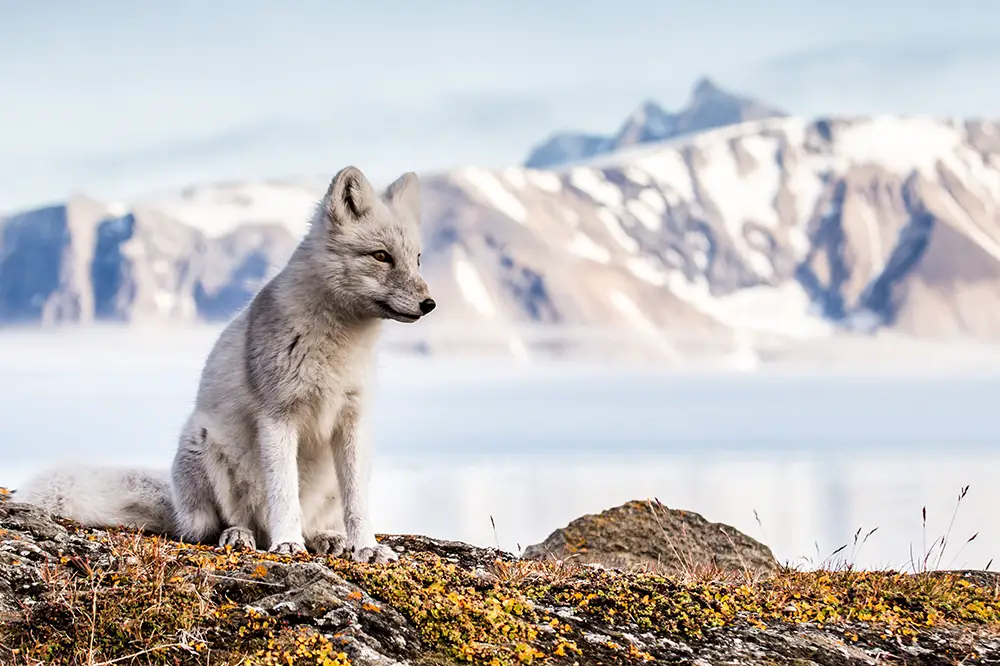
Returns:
<point x="31" y="249"/>
<point x="112" y="273"/>
<point x="649" y="534"/>
<point x="148" y="600"/>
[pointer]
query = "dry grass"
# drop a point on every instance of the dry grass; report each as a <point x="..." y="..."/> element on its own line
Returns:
<point x="134" y="603"/>
<point x="141" y="602"/>
<point x="693" y="572"/>
<point x="928" y="560"/>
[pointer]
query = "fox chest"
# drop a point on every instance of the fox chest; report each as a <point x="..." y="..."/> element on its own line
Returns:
<point x="326" y="394"/>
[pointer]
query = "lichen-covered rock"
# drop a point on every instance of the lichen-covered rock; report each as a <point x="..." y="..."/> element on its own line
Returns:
<point x="75" y="596"/>
<point x="648" y="534"/>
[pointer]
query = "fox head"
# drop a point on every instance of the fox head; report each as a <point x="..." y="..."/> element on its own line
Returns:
<point x="368" y="250"/>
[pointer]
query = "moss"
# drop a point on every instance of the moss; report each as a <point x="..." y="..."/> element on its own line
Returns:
<point x="896" y="604"/>
<point x="256" y="639"/>
<point x="493" y="626"/>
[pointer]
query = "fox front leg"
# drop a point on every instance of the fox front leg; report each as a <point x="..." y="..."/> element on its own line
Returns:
<point x="278" y="443"/>
<point x="353" y="456"/>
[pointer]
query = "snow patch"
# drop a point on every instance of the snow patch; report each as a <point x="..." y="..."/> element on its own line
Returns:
<point x="644" y="269"/>
<point x="653" y="199"/>
<point x="977" y="174"/>
<point x="966" y="224"/>
<point x="490" y="187"/>
<point x="515" y="178"/>
<point x="637" y="175"/>
<point x="740" y="198"/>
<point x="700" y="245"/>
<point x="165" y="301"/>
<point x="674" y="258"/>
<point x="783" y="310"/>
<point x="669" y="170"/>
<point x="646" y="215"/>
<point x="756" y="237"/>
<point x="544" y="180"/>
<point x="219" y="209"/>
<point x="798" y="239"/>
<point x="899" y="144"/>
<point x="593" y="183"/>
<point x="472" y="287"/>
<point x="116" y="209"/>
<point x="584" y="246"/>
<point x="614" y="227"/>
<point x="760" y="263"/>
<point x="700" y="260"/>
<point x="805" y="184"/>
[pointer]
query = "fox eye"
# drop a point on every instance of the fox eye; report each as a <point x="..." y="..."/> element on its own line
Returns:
<point x="383" y="256"/>
<point x="418" y="260"/>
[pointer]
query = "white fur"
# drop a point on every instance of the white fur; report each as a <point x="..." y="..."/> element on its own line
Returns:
<point x="275" y="454"/>
<point x="87" y="494"/>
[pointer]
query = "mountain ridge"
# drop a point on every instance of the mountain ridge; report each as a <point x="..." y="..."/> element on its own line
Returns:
<point x="779" y="227"/>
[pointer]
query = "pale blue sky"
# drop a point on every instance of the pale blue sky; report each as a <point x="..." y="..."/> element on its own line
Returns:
<point x="117" y="98"/>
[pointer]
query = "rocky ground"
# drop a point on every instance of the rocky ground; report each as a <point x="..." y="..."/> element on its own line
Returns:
<point x="75" y="596"/>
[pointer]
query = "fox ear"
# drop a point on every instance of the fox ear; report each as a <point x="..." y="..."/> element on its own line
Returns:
<point x="350" y="196"/>
<point x="405" y="193"/>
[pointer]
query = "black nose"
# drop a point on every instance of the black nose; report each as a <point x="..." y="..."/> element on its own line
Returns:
<point x="427" y="305"/>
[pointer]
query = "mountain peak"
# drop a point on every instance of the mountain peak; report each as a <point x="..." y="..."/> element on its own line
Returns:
<point x="706" y="87"/>
<point x="707" y="92"/>
<point x="649" y="122"/>
<point x="709" y="106"/>
<point x="646" y="108"/>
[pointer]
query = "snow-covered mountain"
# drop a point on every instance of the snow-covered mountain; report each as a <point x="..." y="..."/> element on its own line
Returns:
<point x="708" y="107"/>
<point x="780" y="227"/>
<point x="745" y="235"/>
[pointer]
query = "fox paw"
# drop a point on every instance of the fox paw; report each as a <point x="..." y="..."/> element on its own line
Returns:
<point x="327" y="543"/>
<point x="378" y="554"/>
<point x="240" y="538"/>
<point x="287" y="548"/>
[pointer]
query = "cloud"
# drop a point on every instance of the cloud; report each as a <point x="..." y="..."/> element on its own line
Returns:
<point x="347" y="126"/>
<point x="914" y="76"/>
<point x="915" y="53"/>
<point x="204" y="146"/>
<point x="307" y="140"/>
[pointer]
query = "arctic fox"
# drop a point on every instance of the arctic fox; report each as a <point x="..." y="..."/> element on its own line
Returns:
<point x="274" y="455"/>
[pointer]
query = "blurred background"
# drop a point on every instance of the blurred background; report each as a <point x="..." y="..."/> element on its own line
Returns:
<point x="744" y="258"/>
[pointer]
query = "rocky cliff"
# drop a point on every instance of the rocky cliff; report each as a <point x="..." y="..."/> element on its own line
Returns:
<point x="85" y="261"/>
<point x="74" y="596"/>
